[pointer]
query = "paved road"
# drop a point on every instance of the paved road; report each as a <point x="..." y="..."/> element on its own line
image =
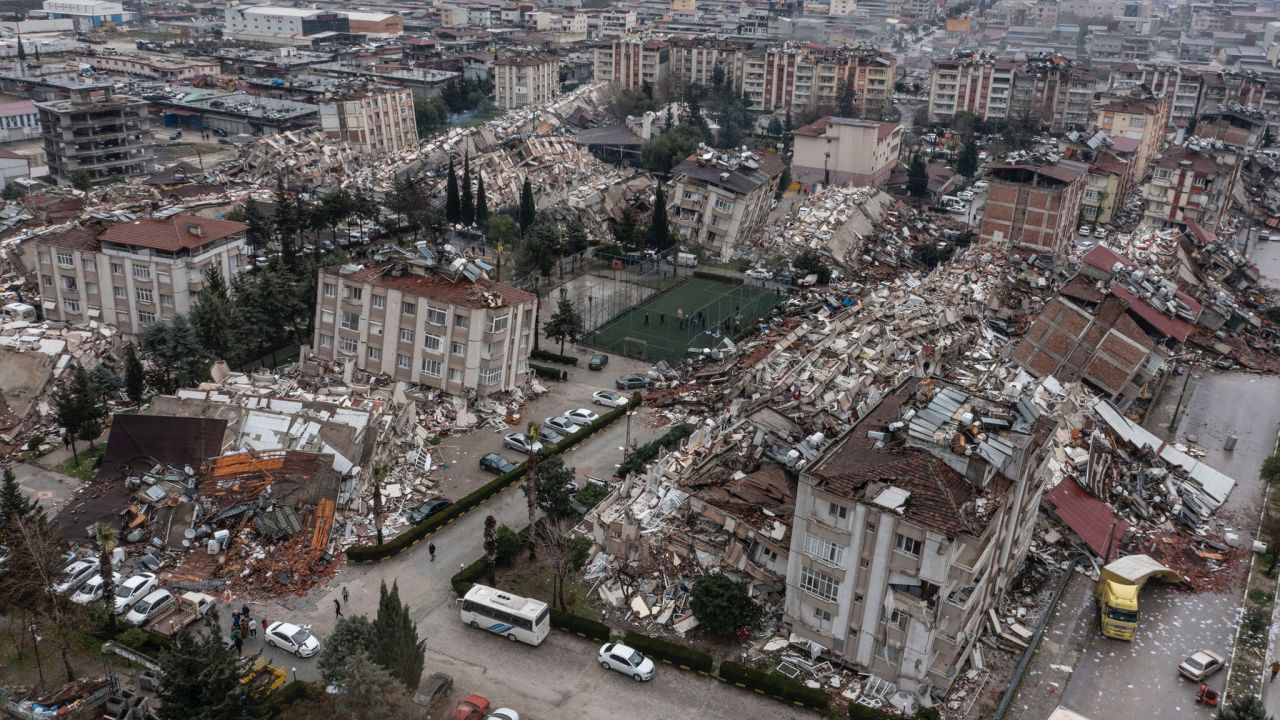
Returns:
<point x="1116" y="679"/>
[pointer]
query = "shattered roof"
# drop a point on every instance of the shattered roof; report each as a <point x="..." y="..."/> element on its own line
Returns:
<point x="141" y="441"/>
<point x="435" y="286"/>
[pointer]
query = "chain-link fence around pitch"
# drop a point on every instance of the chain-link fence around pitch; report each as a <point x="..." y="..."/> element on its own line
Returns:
<point x="691" y="313"/>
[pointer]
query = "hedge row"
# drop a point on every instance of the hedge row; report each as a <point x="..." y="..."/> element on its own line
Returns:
<point x="549" y="373"/>
<point x="546" y="356"/>
<point x="469" y="575"/>
<point x="646" y="453"/>
<point x="719" y="277"/>
<point x="774" y="685"/>
<point x="569" y="622"/>
<point x="368" y="553"/>
<point x="674" y="653"/>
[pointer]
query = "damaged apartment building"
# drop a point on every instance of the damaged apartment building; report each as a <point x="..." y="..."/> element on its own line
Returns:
<point x="911" y="526"/>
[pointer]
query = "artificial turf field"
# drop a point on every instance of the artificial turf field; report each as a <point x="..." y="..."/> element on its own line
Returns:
<point x="663" y="338"/>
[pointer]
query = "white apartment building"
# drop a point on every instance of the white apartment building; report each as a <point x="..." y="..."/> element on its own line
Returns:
<point x="521" y="79"/>
<point x="632" y="61"/>
<point x="375" y="120"/>
<point x="900" y="544"/>
<point x="721" y="200"/>
<point x="617" y="22"/>
<point x="281" y="25"/>
<point x="411" y="321"/>
<point x="843" y="151"/>
<point x="134" y="273"/>
<point x="974" y="83"/>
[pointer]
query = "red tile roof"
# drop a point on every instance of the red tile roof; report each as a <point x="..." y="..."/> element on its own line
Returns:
<point x="437" y="287"/>
<point x="1105" y="259"/>
<point x="1089" y="517"/>
<point x="180" y="232"/>
<point x="1175" y="328"/>
<point x="76" y="238"/>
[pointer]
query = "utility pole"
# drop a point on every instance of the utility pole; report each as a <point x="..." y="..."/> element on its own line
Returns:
<point x="1182" y="394"/>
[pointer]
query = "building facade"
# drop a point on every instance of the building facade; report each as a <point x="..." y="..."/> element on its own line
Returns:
<point x="971" y="82"/>
<point x="521" y="79"/>
<point x="282" y="25"/>
<point x="1046" y="88"/>
<point x="797" y="77"/>
<point x="89" y="14"/>
<point x="1189" y="183"/>
<point x="133" y="274"/>
<point x="373" y="120"/>
<point x="1034" y="205"/>
<point x="841" y="151"/>
<point x="94" y="131"/>
<point x="632" y="61"/>
<point x="723" y="200"/>
<point x="1138" y="119"/>
<point x="19" y="120"/>
<point x="409" y="321"/>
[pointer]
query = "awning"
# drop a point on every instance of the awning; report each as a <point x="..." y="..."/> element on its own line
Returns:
<point x="180" y="111"/>
<point x="1088" y="517"/>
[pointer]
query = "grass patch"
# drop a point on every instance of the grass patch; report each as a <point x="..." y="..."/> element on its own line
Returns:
<point x="83" y="469"/>
<point x="181" y="149"/>
<point x="1245" y="675"/>
<point x="1259" y="597"/>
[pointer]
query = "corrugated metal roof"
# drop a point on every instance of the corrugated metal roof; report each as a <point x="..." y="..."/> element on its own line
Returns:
<point x="1088" y="517"/>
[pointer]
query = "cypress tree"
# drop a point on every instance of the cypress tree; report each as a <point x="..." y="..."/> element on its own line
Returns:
<point x="396" y="646"/>
<point x="482" y="203"/>
<point x="468" y="203"/>
<point x="658" y="237"/>
<point x="452" y="206"/>
<point x="528" y="209"/>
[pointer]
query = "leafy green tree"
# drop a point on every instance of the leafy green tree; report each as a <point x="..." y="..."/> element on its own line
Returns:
<point x="452" y="203"/>
<point x="395" y="639"/>
<point x="811" y="262"/>
<point x="846" y="100"/>
<point x="73" y="407"/>
<point x="212" y="317"/>
<point x="528" y="208"/>
<point x="626" y="230"/>
<point x="501" y="231"/>
<point x="13" y="191"/>
<point x="552" y="486"/>
<point x="692" y="110"/>
<point x="107" y="538"/>
<point x="482" y="202"/>
<point x="669" y="149"/>
<point x="564" y="324"/>
<point x="288" y="222"/>
<point x="134" y="374"/>
<point x="1245" y="706"/>
<point x="258" y="235"/>
<point x="368" y="689"/>
<point x="658" y="236"/>
<point x="509" y="544"/>
<point x="468" y="205"/>
<point x="918" y="177"/>
<point x="775" y="126"/>
<point x="13" y="503"/>
<point x="1270" y="471"/>
<point x="173" y="348"/>
<point x="430" y="115"/>
<point x="350" y="636"/>
<point x="491" y="549"/>
<point x="784" y="180"/>
<point x="967" y="160"/>
<point x="722" y="605"/>
<point x="531" y="492"/>
<point x="542" y="245"/>
<point x="576" y="240"/>
<point x="103" y="382"/>
<point x="202" y="681"/>
<point x="81" y="180"/>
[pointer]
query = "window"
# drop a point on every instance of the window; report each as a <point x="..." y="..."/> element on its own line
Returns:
<point x="326" y="317"/>
<point x="166" y="300"/>
<point x="1161" y="173"/>
<point x="141" y="272"/>
<point x="462" y="321"/>
<point x="498" y="324"/>
<point x="406" y="336"/>
<point x="820" y="584"/>
<point x="824" y="550"/>
<point x="871" y="527"/>
<point x="350" y="321"/>
<point x="890" y="653"/>
<point x="897" y="619"/>
<point x="455" y="375"/>
<point x="1137" y="122"/>
<point x="431" y="342"/>
<point x="146" y="318"/>
<point x="837" y="512"/>
<point x="44" y="257"/>
<point x="723" y="206"/>
<point x="348" y="345"/>
<point x="908" y="545"/>
<point x="458" y="349"/>
<point x="402" y="361"/>
<point x="490" y="376"/>
<point x="164" y="278"/>
<point x="120" y="292"/>
<point x="117" y="268"/>
<point x="326" y="341"/>
<point x="91" y="288"/>
<point x="409" y="308"/>
<point x="71" y="305"/>
<point x="431" y="367"/>
<point x="90" y="264"/>
<point x="1090" y="194"/>
<point x="437" y="316"/>
<point x="330" y="290"/>
<point x="65" y="258"/>
<point x="355" y="293"/>
<point x="48" y="280"/>
<point x="68" y="282"/>
<point x="822" y="619"/>
<point x="375" y="353"/>
<point x="379" y="301"/>
<point x="144" y="295"/>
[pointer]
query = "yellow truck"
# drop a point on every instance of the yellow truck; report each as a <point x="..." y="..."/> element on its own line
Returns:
<point x="1117" y="592"/>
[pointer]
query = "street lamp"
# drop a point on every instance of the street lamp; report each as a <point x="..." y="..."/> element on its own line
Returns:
<point x="626" y="445"/>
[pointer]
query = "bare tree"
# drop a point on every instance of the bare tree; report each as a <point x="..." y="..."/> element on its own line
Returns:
<point x="491" y="548"/>
<point x="565" y="551"/>
<point x="107" y="539"/>
<point x="531" y="490"/>
<point x="31" y="574"/>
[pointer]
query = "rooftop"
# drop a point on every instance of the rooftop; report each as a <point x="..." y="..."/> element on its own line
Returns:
<point x="180" y="232"/>
<point x="436" y="286"/>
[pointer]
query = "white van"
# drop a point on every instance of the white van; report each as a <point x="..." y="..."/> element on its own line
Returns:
<point x="150" y="607"/>
<point x="683" y="259"/>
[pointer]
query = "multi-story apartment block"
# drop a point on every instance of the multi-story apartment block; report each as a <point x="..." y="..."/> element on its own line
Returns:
<point x="374" y="120"/>
<point x="1139" y="118"/>
<point x="521" y="79"/>
<point x="632" y="61"/>
<point x="721" y="200"/>
<point x="911" y="527"/>
<point x="972" y="82"/>
<point x="1189" y="183"/>
<point x="95" y="131"/>
<point x="1050" y="89"/>
<point x="1111" y="171"/>
<point x="694" y="60"/>
<point x="1047" y="88"/>
<point x="841" y="151"/>
<point x="617" y="22"/>
<point x="798" y="77"/>
<point x="1034" y="205"/>
<point x="410" y="320"/>
<point x="918" y="11"/>
<point x="134" y="273"/>
<point x="841" y="8"/>
<point x="281" y="25"/>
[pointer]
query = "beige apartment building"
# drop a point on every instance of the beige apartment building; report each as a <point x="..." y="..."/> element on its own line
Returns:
<point x="521" y="79"/>
<point x="411" y="321"/>
<point x="374" y="120"/>
<point x="107" y="136"/>
<point x="722" y="199"/>
<point x="797" y="76"/>
<point x="1140" y="119"/>
<point x="910" y="528"/>
<point x="631" y="61"/>
<point x="132" y="274"/>
<point x="843" y="151"/>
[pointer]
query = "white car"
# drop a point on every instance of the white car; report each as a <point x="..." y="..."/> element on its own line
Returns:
<point x="1100" y="232"/>
<point x="292" y="638"/>
<point x="503" y="714"/>
<point x="1085" y="230"/>
<point x="626" y="660"/>
<point x="150" y="607"/>
<point x="759" y="274"/>
<point x="91" y="591"/>
<point x="562" y="425"/>
<point x="521" y="442"/>
<point x="582" y="416"/>
<point x="609" y="398"/>
<point x="134" y="589"/>
<point x="965" y="195"/>
<point x="75" y="575"/>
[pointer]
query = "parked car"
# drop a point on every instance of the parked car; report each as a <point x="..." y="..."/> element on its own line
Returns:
<point x="598" y="361"/>
<point x="965" y="195"/>
<point x="503" y="714"/>
<point x="75" y="575"/>
<point x="473" y="708"/>
<point x="291" y="638"/>
<point x="435" y="691"/>
<point x="521" y="442"/>
<point x="1100" y="232"/>
<point x="784" y="279"/>
<point x="608" y="398"/>
<point x="582" y="416"/>
<point x="91" y="591"/>
<point x="150" y="607"/>
<point x="495" y="463"/>
<point x="632" y="382"/>
<point x="548" y="436"/>
<point x="1085" y="246"/>
<point x="759" y="274"/>
<point x="1201" y="665"/>
<point x="427" y="509"/>
<point x="562" y="425"/>
<point x="626" y="660"/>
<point x="175" y="134"/>
<point x="1085" y="230"/>
<point x="134" y="589"/>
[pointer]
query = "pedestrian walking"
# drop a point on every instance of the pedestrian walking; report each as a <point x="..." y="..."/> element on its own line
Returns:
<point x="244" y="610"/>
<point x="239" y="645"/>
<point x="345" y="596"/>
<point x="264" y="627"/>
<point x="235" y="619"/>
<point x="646" y="319"/>
<point x="431" y="550"/>
<point x="1275" y="668"/>
<point x="244" y="626"/>
<point x="337" y="607"/>
<point x="662" y="318"/>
